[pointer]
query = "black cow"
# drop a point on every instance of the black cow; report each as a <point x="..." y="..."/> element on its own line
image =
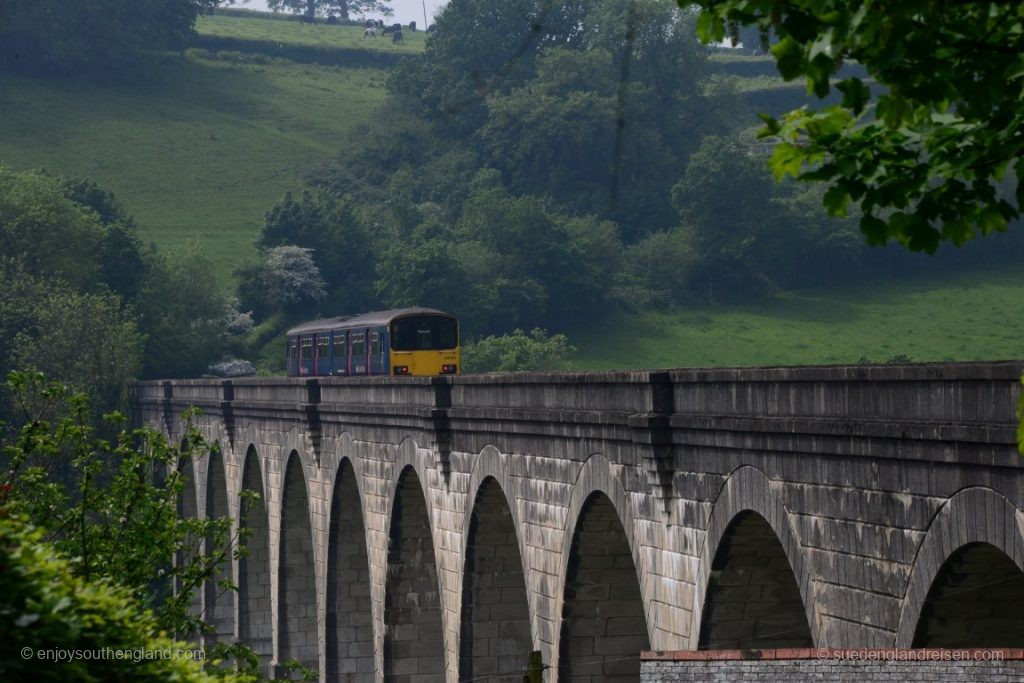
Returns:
<point x="396" y="36"/>
<point x="412" y="26"/>
<point x="331" y="19"/>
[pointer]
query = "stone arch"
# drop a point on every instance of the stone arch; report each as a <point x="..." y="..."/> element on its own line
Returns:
<point x="974" y="515"/>
<point x="220" y="602"/>
<point x="752" y="599"/>
<point x="349" y="618"/>
<point x="255" y="616"/>
<point x="603" y="623"/>
<point x="297" y="623"/>
<point x="495" y="634"/>
<point x="748" y="489"/>
<point x="413" y="615"/>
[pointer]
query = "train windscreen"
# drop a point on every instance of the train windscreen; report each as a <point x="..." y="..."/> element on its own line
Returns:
<point x="424" y="333"/>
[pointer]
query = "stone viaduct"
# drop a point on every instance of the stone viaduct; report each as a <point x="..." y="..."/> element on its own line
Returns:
<point x="440" y="529"/>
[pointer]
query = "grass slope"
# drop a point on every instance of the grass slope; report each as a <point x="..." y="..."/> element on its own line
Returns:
<point x="199" y="148"/>
<point x="312" y="35"/>
<point x="967" y="316"/>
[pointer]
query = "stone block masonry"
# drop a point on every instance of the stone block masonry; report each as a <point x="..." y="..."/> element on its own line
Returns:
<point x="429" y="529"/>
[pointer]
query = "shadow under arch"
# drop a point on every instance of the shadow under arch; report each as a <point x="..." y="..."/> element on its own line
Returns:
<point x="255" y="617"/>
<point x="752" y="599"/>
<point x="349" y="618"/>
<point x="748" y="489"/>
<point x="413" y="616"/>
<point x="495" y="626"/>
<point x="191" y="544"/>
<point x="603" y="620"/>
<point x="297" y="623"/>
<point x="973" y="516"/>
<point x="220" y="602"/>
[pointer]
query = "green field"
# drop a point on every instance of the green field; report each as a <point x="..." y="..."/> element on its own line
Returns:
<point x="965" y="316"/>
<point x="199" y="149"/>
<point x="313" y="35"/>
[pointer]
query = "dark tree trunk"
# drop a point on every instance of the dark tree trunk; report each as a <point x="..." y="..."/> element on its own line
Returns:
<point x="343" y="9"/>
<point x="311" y="8"/>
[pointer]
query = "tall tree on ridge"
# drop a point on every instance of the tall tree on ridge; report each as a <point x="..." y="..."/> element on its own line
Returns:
<point x="343" y="8"/>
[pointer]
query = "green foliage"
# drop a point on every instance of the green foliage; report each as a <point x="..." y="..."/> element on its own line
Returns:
<point x="45" y="606"/>
<point x="88" y="340"/>
<point x="517" y="352"/>
<point x="657" y="270"/>
<point x="111" y="508"/>
<point x="526" y="261"/>
<point x="34" y="211"/>
<point x="65" y="35"/>
<point x="922" y="156"/>
<point x="343" y="8"/>
<point x="594" y="105"/>
<point x="181" y="309"/>
<point x="749" y="235"/>
<point x="342" y="248"/>
<point x="427" y="274"/>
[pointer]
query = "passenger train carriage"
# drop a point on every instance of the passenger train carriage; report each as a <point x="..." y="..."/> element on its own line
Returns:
<point x="404" y="341"/>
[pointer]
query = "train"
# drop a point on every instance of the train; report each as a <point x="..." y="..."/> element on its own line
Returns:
<point x="404" y="342"/>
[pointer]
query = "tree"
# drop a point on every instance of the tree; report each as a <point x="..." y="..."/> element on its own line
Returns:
<point x="66" y="35"/>
<point x="87" y="339"/>
<point x="181" y="310"/>
<point x="923" y="154"/>
<point x="342" y="247"/>
<point x="45" y="607"/>
<point x="537" y="273"/>
<point x="517" y="352"/>
<point x="290" y="276"/>
<point x="35" y="211"/>
<point x="343" y="8"/>
<point x="109" y="508"/>
<point x="120" y="252"/>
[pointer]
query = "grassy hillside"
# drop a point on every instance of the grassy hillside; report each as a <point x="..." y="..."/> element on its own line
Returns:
<point x="967" y="316"/>
<point x="199" y="148"/>
<point x="312" y="35"/>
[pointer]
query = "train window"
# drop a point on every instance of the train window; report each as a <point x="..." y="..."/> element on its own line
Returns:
<point x="293" y="347"/>
<point x="358" y="344"/>
<point x="339" y="344"/>
<point x="376" y="343"/>
<point x="424" y="332"/>
<point x="323" y="348"/>
<point x="307" y="347"/>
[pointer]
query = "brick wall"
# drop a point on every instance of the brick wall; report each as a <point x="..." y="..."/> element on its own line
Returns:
<point x="732" y="666"/>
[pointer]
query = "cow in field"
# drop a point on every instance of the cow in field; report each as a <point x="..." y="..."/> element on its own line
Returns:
<point x="332" y="19"/>
<point x="369" y="33"/>
<point x="396" y="36"/>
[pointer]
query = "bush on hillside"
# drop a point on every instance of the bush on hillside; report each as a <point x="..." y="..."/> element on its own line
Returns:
<point x="517" y="352"/>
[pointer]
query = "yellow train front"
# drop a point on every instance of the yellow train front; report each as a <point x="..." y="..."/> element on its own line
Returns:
<point x="404" y="341"/>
